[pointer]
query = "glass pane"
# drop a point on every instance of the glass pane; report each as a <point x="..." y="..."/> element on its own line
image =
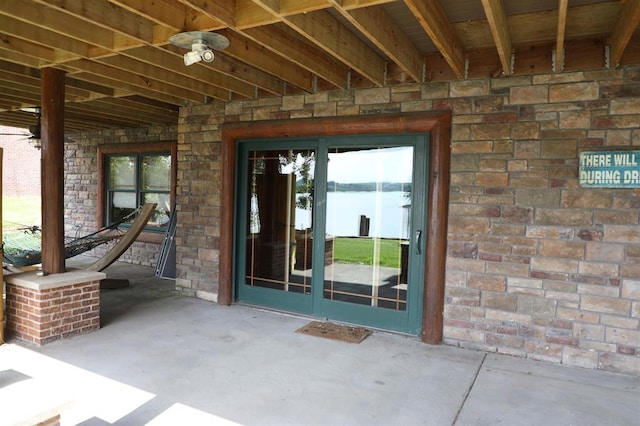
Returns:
<point x="156" y="172"/>
<point x="162" y="212"/>
<point x="368" y="203"/>
<point x="280" y="219"/>
<point x="122" y="172"/>
<point x="121" y="204"/>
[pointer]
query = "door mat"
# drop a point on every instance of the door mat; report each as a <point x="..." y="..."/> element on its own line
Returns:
<point x="343" y="333"/>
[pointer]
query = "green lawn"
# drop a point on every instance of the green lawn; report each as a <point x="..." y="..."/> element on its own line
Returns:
<point x="20" y="211"/>
<point x="360" y="251"/>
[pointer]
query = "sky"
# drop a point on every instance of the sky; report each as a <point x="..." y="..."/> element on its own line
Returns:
<point x="375" y="165"/>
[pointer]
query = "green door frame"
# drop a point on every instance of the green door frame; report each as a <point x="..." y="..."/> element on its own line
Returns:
<point x="438" y="124"/>
<point x="314" y="303"/>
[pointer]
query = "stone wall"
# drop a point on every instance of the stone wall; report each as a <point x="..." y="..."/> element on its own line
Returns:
<point x="537" y="267"/>
<point x="81" y="184"/>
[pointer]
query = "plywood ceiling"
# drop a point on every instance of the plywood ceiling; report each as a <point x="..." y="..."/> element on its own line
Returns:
<point x="122" y="72"/>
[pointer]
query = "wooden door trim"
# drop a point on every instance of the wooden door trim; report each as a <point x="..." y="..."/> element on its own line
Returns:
<point x="438" y="124"/>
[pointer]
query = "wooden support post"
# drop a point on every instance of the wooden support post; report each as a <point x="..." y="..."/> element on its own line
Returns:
<point x="52" y="84"/>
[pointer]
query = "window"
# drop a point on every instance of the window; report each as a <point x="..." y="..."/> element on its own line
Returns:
<point x="133" y="175"/>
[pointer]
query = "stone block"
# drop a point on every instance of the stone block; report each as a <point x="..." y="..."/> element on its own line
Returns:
<point x="482" y="147"/>
<point x="520" y="95"/>
<point x="531" y="305"/>
<point x="499" y="301"/>
<point x="587" y="198"/>
<point x="618" y="363"/>
<point x="378" y="95"/>
<point x="623" y="106"/>
<point x="492" y="179"/>
<point x="490" y="131"/>
<point x="623" y="336"/>
<point x="609" y="305"/>
<point x="545" y="264"/>
<point x="570" y="92"/>
<point x="525" y="130"/>
<point x="630" y="289"/>
<point x="598" y="268"/>
<point x="617" y="122"/>
<point x="621" y="234"/>
<point x="544" y="351"/>
<point x="487" y="282"/>
<point x="563" y="217"/>
<point x="577" y="357"/>
<point x="517" y="214"/>
<point x="562" y="248"/>
<point x="537" y="197"/>
<point x="556" y="149"/>
<point x="527" y="149"/>
<point x="468" y="88"/>
<point x="603" y="252"/>
<point x="575" y="119"/>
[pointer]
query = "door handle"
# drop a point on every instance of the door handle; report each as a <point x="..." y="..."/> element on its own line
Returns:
<point x="418" y="242"/>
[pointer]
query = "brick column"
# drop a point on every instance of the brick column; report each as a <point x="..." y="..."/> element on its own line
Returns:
<point x="42" y="309"/>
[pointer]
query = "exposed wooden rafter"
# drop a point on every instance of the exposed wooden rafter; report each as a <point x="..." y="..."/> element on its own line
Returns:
<point x="563" y="6"/>
<point x="627" y="23"/>
<point x="497" y="18"/>
<point x="434" y="21"/>
<point x="121" y="69"/>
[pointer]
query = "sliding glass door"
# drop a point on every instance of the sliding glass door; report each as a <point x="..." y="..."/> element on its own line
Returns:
<point x="333" y="227"/>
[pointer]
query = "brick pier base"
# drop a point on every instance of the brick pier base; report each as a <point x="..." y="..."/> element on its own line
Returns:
<point x="42" y="309"/>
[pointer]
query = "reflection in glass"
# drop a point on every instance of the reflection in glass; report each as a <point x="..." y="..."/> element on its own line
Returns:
<point x="368" y="202"/>
<point x="122" y="172"/>
<point x="279" y="216"/>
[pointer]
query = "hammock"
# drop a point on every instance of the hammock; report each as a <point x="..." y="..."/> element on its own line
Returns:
<point x="23" y="247"/>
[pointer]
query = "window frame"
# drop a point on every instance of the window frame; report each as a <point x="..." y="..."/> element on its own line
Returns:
<point x="137" y="149"/>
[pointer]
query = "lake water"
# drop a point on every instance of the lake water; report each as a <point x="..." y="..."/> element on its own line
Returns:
<point x="388" y="217"/>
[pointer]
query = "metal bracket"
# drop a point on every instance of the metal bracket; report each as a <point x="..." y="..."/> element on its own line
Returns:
<point x="607" y="56"/>
<point x="466" y="68"/>
<point x="557" y="61"/>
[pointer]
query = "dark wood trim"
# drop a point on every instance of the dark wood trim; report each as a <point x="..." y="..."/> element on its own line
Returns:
<point x="436" y="123"/>
<point x="52" y="131"/>
<point x="135" y="148"/>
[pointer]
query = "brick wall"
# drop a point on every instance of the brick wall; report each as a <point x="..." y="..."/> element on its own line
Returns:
<point x="81" y="184"/>
<point x="537" y="266"/>
<point x="20" y="165"/>
<point x="43" y="316"/>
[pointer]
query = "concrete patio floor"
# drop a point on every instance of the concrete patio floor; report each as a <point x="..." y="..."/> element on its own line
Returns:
<point x="164" y="359"/>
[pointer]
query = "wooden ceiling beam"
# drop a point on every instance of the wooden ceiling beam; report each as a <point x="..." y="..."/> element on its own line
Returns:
<point x="380" y="29"/>
<point x="134" y="81"/>
<point x="43" y="36"/>
<point x="330" y="35"/>
<point x="434" y="21"/>
<point x="625" y="26"/>
<point x="497" y="19"/>
<point x="308" y="57"/>
<point x="152" y="72"/>
<point x="241" y="78"/>
<point x="14" y="44"/>
<point x="104" y="14"/>
<point x="124" y="89"/>
<point x="62" y="23"/>
<point x="563" y="6"/>
<point x="253" y="50"/>
<point x="177" y="16"/>
<point x="172" y="62"/>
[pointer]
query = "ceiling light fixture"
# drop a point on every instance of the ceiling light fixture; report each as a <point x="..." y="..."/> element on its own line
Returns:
<point x="202" y="45"/>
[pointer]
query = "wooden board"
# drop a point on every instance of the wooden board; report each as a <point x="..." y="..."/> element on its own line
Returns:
<point x="125" y="242"/>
